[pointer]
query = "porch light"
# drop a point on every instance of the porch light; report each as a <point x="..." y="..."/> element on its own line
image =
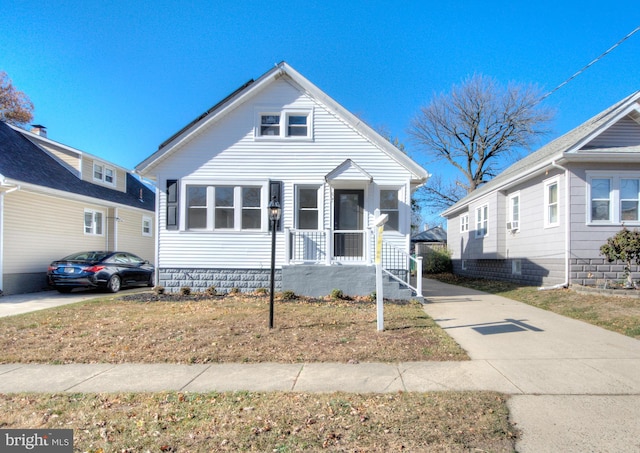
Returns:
<point x="274" y="215"/>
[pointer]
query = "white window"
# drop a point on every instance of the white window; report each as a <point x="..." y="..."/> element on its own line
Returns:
<point x="389" y="205"/>
<point x="270" y="125"/>
<point x="224" y="207"/>
<point x="614" y="198"/>
<point x="482" y="221"/>
<point x="104" y="173"/>
<point x="516" y="267"/>
<point x="464" y="223"/>
<point x="93" y="222"/>
<point x="307" y="210"/>
<point x="513" y="212"/>
<point x="551" y="217"/>
<point x="146" y="226"/>
<point x="283" y="124"/>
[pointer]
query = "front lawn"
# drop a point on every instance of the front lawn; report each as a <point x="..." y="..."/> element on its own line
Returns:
<point x="196" y="329"/>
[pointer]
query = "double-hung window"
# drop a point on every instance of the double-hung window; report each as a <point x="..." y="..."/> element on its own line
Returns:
<point x="146" y="226"/>
<point x="93" y="222"/>
<point x="614" y="197"/>
<point x="482" y="221"/>
<point x="513" y="214"/>
<point x="104" y="173"/>
<point x="464" y="223"/>
<point x="284" y="123"/>
<point x="551" y="217"/>
<point x="307" y="208"/>
<point x="224" y="207"/>
<point x="389" y="204"/>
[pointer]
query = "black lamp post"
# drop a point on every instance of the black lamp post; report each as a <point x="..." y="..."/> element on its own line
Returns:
<point x="274" y="216"/>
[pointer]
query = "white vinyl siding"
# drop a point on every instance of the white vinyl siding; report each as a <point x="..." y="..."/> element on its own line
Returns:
<point x="229" y="148"/>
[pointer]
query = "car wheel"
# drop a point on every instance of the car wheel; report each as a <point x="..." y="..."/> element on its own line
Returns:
<point x="150" y="282"/>
<point x="64" y="290"/>
<point x="114" y="283"/>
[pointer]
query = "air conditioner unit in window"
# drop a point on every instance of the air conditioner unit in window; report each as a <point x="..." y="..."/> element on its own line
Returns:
<point x="512" y="226"/>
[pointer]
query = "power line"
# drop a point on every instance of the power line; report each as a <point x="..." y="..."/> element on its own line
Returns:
<point x="590" y="64"/>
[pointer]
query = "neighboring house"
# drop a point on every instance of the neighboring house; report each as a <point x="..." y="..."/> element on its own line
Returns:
<point x="56" y="200"/>
<point x="279" y="136"/>
<point x="432" y="238"/>
<point x="542" y="221"/>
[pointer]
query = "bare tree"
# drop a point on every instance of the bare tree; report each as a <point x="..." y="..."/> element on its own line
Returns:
<point x="15" y="107"/>
<point x="478" y="128"/>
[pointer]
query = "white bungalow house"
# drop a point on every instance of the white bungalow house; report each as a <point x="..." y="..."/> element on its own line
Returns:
<point x="542" y="221"/>
<point x="279" y="136"/>
<point x="56" y="200"/>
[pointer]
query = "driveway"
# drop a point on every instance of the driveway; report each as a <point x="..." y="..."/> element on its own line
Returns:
<point x="578" y="386"/>
<point x="24" y="303"/>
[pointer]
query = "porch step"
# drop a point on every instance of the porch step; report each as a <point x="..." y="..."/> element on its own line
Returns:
<point x="393" y="289"/>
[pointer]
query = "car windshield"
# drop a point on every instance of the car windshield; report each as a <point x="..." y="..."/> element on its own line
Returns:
<point x="86" y="256"/>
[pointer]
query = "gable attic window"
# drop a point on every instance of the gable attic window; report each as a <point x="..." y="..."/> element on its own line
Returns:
<point x="283" y="124"/>
<point x="104" y="173"/>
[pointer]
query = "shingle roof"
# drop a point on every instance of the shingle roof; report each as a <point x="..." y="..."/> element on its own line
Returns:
<point x="435" y="234"/>
<point x="23" y="161"/>
<point x="558" y="146"/>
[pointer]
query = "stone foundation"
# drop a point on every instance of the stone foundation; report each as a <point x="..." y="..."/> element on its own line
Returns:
<point x="592" y="271"/>
<point x="198" y="280"/>
<point x="539" y="273"/>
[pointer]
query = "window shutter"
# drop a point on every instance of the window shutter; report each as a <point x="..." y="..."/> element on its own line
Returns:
<point x="172" y="204"/>
<point x="275" y="190"/>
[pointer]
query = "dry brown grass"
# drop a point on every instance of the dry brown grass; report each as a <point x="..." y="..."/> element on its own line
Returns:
<point x="195" y="329"/>
<point x="274" y="422"/>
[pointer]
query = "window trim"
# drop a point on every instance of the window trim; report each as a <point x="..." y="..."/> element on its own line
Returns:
<point x="237" y="185"/>
<point x="615" y="206"/>
<point x="318" y="209"/>
<point x="547" y="184"/>
<point x="510" y="211"/>
<point x="464" y="223"/>
<point x="516" y="266"/>
<point x="147" y="220"/>
<point x="484" y="220"/>
<point x="398" y="191"/>
<point x="93" y="222"/>
<point x="103" y="173"/>
<point x="285" y="114"/>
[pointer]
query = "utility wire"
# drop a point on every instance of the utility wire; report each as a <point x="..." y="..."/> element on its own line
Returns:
<point x="590" y="64"/>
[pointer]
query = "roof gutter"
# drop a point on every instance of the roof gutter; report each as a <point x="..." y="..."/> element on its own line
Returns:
<point x="567" y="230"/>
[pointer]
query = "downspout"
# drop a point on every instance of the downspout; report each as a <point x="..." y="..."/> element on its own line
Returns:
<point x="2" y="194"/>
<point x="567" y="230"/>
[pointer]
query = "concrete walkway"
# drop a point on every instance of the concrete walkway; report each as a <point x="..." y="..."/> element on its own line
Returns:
<point x="574" y="387"/>
<point x="578" y="386"/>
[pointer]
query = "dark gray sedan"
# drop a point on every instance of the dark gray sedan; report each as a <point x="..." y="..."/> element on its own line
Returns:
<point x="98" y="269"/>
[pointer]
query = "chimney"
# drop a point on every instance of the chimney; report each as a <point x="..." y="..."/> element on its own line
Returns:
<point x="38" y="129"/>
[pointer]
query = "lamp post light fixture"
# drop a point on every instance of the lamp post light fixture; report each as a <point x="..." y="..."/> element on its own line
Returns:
<point x="274" y="215"/>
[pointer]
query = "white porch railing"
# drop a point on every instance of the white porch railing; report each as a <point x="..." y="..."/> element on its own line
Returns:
<point x="350" y="247"/>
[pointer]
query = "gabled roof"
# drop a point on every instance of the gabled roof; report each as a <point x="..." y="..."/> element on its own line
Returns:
<point x="249" y="90"/>
<point x="348" y="171"/>
<point x="568" y="146"/>
<point x="23" y="162"/>
<point x="435" y="234"/>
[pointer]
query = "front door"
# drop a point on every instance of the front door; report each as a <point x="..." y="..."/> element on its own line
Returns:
<point x="348" y="224"/>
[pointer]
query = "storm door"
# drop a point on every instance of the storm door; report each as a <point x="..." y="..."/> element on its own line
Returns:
<point x="348" y="224"/>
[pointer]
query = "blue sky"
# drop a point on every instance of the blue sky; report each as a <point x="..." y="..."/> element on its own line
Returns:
<point x="117" y="78"/>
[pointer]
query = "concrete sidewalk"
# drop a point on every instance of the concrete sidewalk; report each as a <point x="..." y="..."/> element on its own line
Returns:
<point x="578" y="385"/>
<point x="574" y="387"/>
